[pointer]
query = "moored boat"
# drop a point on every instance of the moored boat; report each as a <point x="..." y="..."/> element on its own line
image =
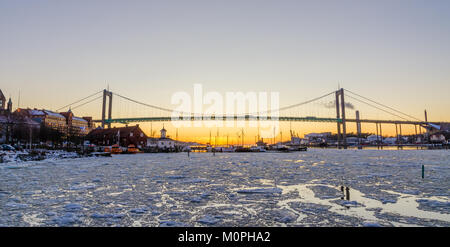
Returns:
<point x="116" y="149"/>
<point x="132" y="149"/>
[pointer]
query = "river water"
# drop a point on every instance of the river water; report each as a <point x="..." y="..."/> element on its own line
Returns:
<point x="320" y="187"/>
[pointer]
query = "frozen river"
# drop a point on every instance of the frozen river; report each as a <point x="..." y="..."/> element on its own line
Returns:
<point x="231" y="189"/>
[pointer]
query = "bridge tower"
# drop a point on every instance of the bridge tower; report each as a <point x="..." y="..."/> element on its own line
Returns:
<point x="109" y="94"/>
<point x="340" y="110"/>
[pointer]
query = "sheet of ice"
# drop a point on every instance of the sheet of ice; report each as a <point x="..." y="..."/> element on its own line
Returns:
<point x="260" y="191"/>
<point x="231" y="189"/>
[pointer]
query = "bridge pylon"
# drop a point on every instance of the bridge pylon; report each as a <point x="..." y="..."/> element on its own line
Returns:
<point x="340" y="114"/>
<point x="109" y="94"/>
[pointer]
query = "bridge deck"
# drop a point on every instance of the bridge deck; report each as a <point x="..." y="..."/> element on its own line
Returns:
<point x="257" y="118"/>
<point x="223" y="118"/>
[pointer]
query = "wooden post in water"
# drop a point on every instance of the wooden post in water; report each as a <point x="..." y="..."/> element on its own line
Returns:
<point x="423" y="171"/>
<point x="347" y="189"/>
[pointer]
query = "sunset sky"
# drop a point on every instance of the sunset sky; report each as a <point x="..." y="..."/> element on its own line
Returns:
<point x="394" y="52"/>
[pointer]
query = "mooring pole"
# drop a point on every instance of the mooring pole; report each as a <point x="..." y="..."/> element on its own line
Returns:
<point x="423" y="171"/>
<point x="347" y="189"/>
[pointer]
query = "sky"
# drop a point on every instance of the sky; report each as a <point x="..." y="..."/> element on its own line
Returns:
<point x="394" y="52"/>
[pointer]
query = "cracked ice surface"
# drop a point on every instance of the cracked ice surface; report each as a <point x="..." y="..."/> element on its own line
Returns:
<point x="231" y="189"/>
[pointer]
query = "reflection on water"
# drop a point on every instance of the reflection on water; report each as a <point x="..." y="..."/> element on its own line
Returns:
<point x="406" y="205"/>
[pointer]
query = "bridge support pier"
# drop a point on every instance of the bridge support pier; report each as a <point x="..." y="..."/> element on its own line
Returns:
<point x="378" y="139"/>
<point x="415" y="137"/>
<point x="358" y="129"/>
<point x="396" y="134"/>
<point x="106" y="93"/>
<point x="381" y="137"/>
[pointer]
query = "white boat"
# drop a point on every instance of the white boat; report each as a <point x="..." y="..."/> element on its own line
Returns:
<point x="257" y="149"/>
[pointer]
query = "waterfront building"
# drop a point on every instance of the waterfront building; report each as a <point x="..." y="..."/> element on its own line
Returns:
<point x="2" y="101"/>
<point x="13" y="125"/>
<point x="390" y="140"/>
<point x="312" y="136"/>
<point x="352" y="141"/>
<point x="152" y="142"/>
<point x="440" y="137"/>
<point x="164" y="142"/>
<point x="78" y="126"/>
<point x="45" y="117"/>
<point x="374" y="138"/>
<point x="64" y="122"/>
<point x="124" y="136"/>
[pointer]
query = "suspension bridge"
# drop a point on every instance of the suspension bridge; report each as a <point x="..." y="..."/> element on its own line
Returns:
<point x="339" y="106"/>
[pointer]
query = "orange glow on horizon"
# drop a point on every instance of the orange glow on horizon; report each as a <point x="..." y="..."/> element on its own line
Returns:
<point x="202" y="134"/>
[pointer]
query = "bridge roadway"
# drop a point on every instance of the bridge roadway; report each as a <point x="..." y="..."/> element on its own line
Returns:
<point x="223" y="118"/>
<point x="260" y="118"/>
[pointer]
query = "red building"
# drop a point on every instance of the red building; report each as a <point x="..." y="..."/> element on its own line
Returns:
<point x="124" y="136"/>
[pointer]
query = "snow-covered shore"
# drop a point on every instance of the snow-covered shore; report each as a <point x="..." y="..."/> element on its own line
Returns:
<point x="35" y="155"/>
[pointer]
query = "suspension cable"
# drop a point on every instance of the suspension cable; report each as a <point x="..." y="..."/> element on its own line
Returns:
<point x="79" y="100"/>
<point x="295" y="105"/>
<point x="144" y="104"/>
<point x="377" y="107"/>
<point x="382" y="105"/>
<point x="306" y="102"/>
<point x="87" y="102"/>
<point x="255" y="113"/>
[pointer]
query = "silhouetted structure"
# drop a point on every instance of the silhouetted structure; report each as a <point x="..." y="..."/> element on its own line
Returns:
<point x="123" y="136"/>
